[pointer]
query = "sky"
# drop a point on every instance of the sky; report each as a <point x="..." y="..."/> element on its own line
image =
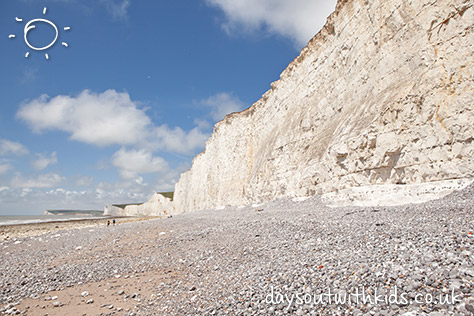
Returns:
<point x="129" y="90"/>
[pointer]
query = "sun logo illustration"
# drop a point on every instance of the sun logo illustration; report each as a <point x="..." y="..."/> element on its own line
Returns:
<point x="30" y="25"/>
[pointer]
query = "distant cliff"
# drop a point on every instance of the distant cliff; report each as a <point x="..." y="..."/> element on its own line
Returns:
<point x="380" y="100"/>
<point x="72" y="212"/>
<point x="160" y="204"/>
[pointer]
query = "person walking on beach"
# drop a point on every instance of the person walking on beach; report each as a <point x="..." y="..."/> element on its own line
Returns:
<point x="108" y="223"/>
<point x="113" y="221"/>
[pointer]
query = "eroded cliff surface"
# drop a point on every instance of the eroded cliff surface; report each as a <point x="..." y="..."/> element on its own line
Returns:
<point x="382" y="95"/>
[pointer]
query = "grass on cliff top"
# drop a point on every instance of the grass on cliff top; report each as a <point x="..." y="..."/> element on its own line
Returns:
<point x="168" y="195"/>
<point x="122" y="206"/>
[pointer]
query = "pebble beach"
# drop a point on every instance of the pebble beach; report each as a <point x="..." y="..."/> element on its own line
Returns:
<point x="286" y="257"/>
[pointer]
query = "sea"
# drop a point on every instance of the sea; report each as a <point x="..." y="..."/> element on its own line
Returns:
<point x="27" y="219"/>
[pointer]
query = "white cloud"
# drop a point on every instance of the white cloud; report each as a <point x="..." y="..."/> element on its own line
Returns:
<point x="116" y="8"/>
<point x="298" y="20"/>
<point x="42" y="162"/>
<point x="5" y="167"/>
<point x="178" y="141"/>
<point x="36" y="200"/>
<point x="222" y="104"/>
<point x="133" y="162"/>
<point x="84" y="181"/>
<point x="109" y="118"/>
<point x="8" y="147"/>
<point x="48" y="180"/>
<point x="123" y="191"/>
<point x="95" y="118"/>
<point x="29" y="74"/>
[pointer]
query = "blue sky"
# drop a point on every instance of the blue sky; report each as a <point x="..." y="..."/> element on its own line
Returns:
<point x="121" y="111"/>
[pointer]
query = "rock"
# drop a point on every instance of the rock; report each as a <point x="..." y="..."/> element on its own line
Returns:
<point x="84" y="294"/>
<point x="469" y="308"/>
<point x="455" y="285"/>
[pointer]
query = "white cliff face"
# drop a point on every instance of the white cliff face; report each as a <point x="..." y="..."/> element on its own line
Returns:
<point x="383" y="95"/>
<point x="157" y="205"/>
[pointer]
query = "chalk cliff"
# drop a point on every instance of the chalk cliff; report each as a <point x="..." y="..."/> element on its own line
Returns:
<point x="157" y="205"/>
<point x="380" y="100"/>
<point x="384" y="94"/>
